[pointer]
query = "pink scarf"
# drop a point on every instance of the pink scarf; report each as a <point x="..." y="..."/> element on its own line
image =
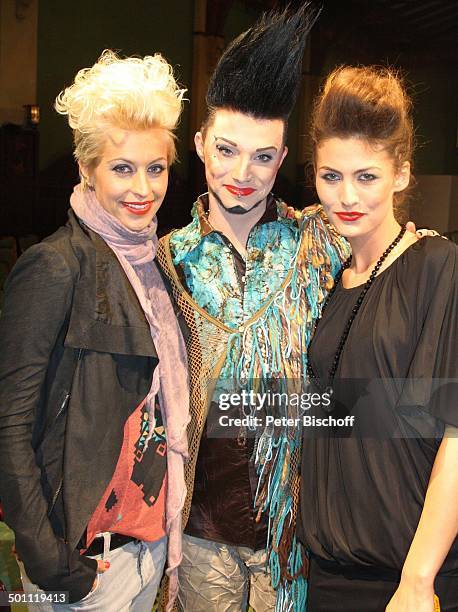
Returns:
<point x="135" y="252"/>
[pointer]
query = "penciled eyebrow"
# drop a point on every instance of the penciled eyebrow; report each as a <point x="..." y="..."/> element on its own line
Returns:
<point x="266" y="149"/>
<point x="233" y="144"/>
<point x="128" y="161"/>
<point x="355" y="172"/>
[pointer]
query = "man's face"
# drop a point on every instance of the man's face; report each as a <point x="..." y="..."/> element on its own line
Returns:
<point x="242" y="156"/>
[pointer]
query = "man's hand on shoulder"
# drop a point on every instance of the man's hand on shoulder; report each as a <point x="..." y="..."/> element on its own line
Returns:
<point x="421" y="233"/>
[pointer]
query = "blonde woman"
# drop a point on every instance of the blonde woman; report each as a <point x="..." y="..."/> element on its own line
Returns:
<point x="94" y="396"/>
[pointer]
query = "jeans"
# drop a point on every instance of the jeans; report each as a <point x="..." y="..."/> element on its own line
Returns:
<point x="130" y="583"/>
<point x="222" y="578"/>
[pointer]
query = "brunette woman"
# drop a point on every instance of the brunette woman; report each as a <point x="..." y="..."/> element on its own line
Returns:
<point x="379" y="499"/>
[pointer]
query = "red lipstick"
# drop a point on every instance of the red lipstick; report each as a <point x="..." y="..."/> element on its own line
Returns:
<point x="349" y="216"/>
<point x="138" y="208"/>
<point x="240" y="191"/>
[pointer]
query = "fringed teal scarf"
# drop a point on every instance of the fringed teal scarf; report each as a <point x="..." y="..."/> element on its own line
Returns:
<point x="291" y="264"/>
<point x="271" y="355"/>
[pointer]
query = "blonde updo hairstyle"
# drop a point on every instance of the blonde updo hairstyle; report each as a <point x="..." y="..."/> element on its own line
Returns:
<point x="131" y="94"/>
<point x="370" y="103"/>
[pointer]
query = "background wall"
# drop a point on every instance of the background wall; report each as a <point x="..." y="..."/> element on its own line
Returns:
<point x="18" y="58"/>
<point x="435" y="202"/>
<point x="71" y="35"/>
<point x="435" y="95"/>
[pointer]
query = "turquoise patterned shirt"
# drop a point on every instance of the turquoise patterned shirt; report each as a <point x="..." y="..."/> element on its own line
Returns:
<point x="207" y="261"/>
<point x="270" y="300"/>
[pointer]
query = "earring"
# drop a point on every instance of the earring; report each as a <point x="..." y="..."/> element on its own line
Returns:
<point x="86" y="184"/>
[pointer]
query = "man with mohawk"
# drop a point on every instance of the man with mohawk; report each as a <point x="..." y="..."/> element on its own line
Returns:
<point x="249" y="274"/>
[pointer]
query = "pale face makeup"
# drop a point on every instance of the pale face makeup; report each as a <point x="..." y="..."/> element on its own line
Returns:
<point x="242" y="156"/>
<point x="356" y="182"/>
<point x="130" y="180"/>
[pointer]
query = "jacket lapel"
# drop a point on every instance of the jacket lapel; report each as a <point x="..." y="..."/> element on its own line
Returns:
<point x="106" y="314"/>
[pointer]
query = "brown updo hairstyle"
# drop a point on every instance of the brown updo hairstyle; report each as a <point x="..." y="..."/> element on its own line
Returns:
<point x="367" y="102"/>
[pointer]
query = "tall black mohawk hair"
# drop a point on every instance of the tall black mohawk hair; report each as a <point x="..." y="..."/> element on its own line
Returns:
<point x="260" y="71"/>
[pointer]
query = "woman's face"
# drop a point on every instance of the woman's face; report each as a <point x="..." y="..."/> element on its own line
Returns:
<point x="356" y="182"/>
<point x="131" y="177"/>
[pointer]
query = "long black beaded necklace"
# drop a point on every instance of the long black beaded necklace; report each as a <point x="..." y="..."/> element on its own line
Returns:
<point x="333" y="369"/>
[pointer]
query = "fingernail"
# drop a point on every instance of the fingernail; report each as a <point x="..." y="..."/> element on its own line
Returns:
<point x="107" y="564"/>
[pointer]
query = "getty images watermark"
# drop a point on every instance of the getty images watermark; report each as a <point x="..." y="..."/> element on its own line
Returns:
<point x="255" y="410"/>
<point x="379" y="408"/>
